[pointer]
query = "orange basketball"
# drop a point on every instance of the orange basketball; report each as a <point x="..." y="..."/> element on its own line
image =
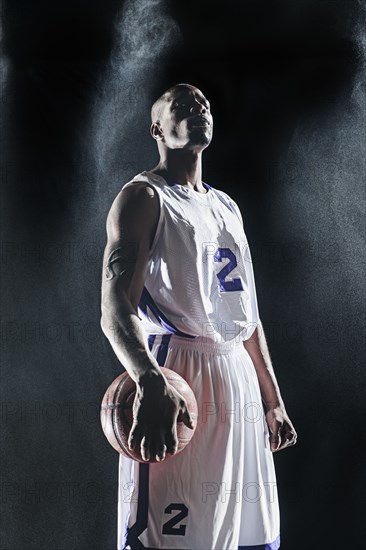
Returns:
<point x="117" y="417"/>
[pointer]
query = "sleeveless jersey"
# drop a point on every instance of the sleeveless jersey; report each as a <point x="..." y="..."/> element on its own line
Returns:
<point x="199" y="281"/>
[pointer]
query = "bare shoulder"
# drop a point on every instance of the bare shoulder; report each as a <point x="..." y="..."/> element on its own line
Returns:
<point x="135" y="195"/>
<point x="136" y="205"/>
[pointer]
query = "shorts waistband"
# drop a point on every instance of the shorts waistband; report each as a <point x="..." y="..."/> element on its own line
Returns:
<point x="198" y="343"/>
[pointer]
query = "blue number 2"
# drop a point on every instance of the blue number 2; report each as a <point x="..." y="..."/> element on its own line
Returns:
<point x="227" y="286"/>
<point x="170" y="527"/>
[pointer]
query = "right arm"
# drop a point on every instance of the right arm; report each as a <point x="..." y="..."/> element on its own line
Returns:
<point x="131" y="226"/>
<point x="131" y="223"/>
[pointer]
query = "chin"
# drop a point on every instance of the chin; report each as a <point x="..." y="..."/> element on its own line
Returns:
<point x="203" y="140"/>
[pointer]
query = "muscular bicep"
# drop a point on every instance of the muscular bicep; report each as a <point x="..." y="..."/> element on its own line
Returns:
<point x="131" y="226"/>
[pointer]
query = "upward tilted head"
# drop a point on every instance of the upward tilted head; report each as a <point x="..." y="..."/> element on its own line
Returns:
<point x="181" y="119"/>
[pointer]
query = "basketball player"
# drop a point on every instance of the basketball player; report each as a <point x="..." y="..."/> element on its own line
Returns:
<point x="178" y="291"/>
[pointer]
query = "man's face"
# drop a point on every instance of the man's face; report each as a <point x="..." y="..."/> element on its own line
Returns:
<point x="186" y="120"/>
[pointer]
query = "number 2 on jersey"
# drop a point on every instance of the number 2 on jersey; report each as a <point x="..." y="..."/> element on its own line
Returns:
<point x="234" y="284"/>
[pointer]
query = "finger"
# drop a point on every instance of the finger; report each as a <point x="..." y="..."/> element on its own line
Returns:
<point x="133" y="438"/>
<point x="292" y="440"/>
<point x="160" y="455"/>
<point x="145" y="448"/>
<point x="158" y="447"/>
<point x="275" y="437"/>
<point x="289" y="434"/>
<point x="283" y="433"/>
<point x="184" y="414"/>
<point x="288" y="440"/>
<point x="171" y="441"/>
<point x="275" y="442"/>
<point x="187" y="418"/>
<point x="284" y="445"/>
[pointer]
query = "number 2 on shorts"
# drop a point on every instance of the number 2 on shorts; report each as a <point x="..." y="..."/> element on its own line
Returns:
<point x="171" y="527"/>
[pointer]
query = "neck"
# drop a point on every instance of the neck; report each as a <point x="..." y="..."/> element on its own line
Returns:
<point x="181" y="166"/>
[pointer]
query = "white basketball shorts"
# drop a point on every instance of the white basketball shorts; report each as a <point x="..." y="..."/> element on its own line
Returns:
<point x="220" y="492"/>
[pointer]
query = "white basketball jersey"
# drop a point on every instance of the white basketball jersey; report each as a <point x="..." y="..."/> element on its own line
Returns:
<point x="200" y="280"/>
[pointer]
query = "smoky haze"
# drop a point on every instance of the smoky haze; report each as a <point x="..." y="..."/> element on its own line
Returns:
<point x="286" y="84"/>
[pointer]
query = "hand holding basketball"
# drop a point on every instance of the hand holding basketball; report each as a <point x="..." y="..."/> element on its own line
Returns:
<point x="151" y="421"/>
<point x="155" y="410"/>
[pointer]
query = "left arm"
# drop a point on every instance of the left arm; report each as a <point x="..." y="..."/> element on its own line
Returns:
<point x="283" y="433"/>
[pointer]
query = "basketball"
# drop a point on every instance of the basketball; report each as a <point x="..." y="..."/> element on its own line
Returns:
<point x="117" y="417"/>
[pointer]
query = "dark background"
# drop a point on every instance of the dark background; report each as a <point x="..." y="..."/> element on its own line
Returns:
<point x="286" y="84"/>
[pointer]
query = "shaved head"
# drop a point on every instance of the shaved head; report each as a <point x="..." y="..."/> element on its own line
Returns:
<point x="159" y="104"/>
<point x="181" y="119"/>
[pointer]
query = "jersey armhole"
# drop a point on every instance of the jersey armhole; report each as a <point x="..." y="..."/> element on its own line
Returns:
<point x="161" y="213"/>
<point x="160" y="220"/>
<point x="237" y="211"/>
<point x="229" y="203"/>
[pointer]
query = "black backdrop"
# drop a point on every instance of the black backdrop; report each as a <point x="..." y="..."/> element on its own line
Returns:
<point x="285" y="80"/>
